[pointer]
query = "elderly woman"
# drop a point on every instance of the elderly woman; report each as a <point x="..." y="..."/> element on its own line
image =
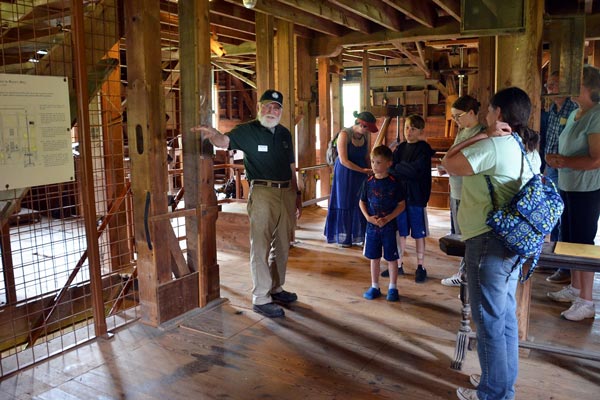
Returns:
<point x="491" y="268"/>
<point x="345" y="223"/>
<point x="578" y="164"/>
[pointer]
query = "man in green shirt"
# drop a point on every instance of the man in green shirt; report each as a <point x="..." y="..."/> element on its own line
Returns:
<point x="274" y="200"/>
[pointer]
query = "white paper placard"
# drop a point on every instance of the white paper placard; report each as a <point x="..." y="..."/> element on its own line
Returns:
<point x="35" y="131"/>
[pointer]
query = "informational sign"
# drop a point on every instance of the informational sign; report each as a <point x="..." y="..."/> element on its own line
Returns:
<point x="35" y="131"/>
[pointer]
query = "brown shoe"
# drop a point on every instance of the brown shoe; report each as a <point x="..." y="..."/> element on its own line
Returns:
<point x="560" y="276"/>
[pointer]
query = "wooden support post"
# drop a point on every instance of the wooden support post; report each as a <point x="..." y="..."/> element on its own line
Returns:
<point x="365" y="84"/>
<point x="306" y="140"/>
<point x="337" y="106"/>
<point x="196" y="100"/>
<point x="325" y="134"/>
<point x="148" y="152"/>
<point x="594" y="58"/>
<point x="229" y="97"/>
<point x="521" y="57"/>
<point x="87" y="180"/>
<point x="265" y="59"/>
<point x="285" y="72"/>
<point x="8" y="270"/>
<point x="486" y="73"/>
<point x="112" y="130"/>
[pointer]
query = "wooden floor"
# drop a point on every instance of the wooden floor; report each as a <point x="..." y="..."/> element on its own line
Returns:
<point x="332" y="344"/>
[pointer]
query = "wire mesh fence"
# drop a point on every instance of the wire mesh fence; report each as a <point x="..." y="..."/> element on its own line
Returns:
<point x="46" y="302"/>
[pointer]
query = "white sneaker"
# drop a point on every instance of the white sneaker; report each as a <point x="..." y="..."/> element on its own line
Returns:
<point x="466" y="394"/>
<point x="568" y="294"/>
<point x="580" y="310"/>
<point x="454" y="280"/>
<point x="474" y="379"/>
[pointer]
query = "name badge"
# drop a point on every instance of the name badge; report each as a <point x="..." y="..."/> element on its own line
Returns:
<point x="563" y="121"/>
<point x="263" y="148"/>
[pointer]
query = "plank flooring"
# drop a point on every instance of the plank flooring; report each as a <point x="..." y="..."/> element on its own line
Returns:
<point x="332" y="344"/>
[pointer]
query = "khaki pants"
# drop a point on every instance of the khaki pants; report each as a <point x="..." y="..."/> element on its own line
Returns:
<point x="272" y="219"/>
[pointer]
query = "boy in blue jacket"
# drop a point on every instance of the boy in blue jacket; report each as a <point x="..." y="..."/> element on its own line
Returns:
<point x="381" y="201"/>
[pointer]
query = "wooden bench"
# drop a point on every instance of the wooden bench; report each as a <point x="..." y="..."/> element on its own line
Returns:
<point x="452" y="245"/>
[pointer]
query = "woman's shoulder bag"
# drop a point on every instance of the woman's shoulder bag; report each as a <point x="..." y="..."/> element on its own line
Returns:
<point x="527" y="218"/>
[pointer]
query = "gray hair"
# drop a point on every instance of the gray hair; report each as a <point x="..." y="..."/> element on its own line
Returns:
<point x="591" y="80"/>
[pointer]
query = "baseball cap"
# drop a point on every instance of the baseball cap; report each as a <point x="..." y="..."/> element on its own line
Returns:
<point x="367" y="119"/>
<point x="272" y="96"/>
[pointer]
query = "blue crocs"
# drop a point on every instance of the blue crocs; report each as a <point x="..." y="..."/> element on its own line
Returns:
<point x="392" y="295"/>
<point x="372" y="293"/>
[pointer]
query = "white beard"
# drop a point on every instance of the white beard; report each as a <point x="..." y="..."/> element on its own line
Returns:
<point x="268" y="120"/>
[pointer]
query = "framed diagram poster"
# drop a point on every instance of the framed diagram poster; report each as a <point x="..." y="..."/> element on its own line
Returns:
<point x="492" y="17"/>
<point x="35" y="131"/>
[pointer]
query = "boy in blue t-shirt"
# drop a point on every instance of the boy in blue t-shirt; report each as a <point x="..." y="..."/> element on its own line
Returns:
<point x="412" y="167"/>
<point x="381" y="201"/>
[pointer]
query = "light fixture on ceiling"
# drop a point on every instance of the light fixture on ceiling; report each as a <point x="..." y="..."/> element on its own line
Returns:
<point x="33" y="60"/>
<point x="249" y="3"/>
<point x="42" y="52"/>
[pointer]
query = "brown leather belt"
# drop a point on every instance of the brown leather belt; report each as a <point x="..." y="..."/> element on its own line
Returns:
<point x="273" y="184"/>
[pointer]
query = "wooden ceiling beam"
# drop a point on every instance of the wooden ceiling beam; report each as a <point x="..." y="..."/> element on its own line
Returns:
<point x="298" y="17"/>
<point x="414" y="59"/>
<point x="376" y="11"/>
<point x="451" y="7"/>
<point x="419" y="10"/>
<point x="222" y="31"/>
<point x="339" y="16"/>
<point x="447" y="28"/>
<point x="232" y="10"/>
<point x="247" y="27"/>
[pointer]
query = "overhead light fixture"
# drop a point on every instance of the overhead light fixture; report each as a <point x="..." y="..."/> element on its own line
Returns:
<point x="249" y="3"/>
<point x="42" y="52"/>
<point x="33" y="60"/>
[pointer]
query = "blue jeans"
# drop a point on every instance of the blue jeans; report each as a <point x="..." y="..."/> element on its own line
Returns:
<point x="492" y="284"/>
<point x="552" y="174"/>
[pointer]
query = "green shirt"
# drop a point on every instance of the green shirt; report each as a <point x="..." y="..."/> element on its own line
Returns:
<point x="573" y="141"/>
<point x="267" y="155"/>
<point x="456" y="181"/>
<point x="501" y="159"/>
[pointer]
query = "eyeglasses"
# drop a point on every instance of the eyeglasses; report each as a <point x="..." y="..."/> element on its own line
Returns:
<point x="457" y="116"/>
<point x="364" y="126"/>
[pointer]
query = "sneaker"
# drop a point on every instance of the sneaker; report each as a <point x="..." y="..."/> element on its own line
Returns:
<point x="372" y="293"/>
<point x="560" y="276"/>
<point x="269" y="310"/>
<point x="454" y="280"/>
<point x="466" y="394"/>
<point x="568" y="294"/>
<point x="386" y="273"/>
<point x="420" y="274"/>
<point x="284" y="297"/>
<point x="392" y="295"/>
<point x="580" y="310"/>
<point x="475" y="379"/>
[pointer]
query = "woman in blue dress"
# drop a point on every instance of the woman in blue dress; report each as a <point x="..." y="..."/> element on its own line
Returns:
<point x="345" y="224"/>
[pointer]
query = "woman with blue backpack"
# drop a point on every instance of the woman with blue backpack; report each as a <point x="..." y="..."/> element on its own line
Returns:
<point x="492" y="268"/>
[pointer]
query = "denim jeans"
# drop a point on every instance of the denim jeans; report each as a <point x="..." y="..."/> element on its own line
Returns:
<point x="492" y="283"/>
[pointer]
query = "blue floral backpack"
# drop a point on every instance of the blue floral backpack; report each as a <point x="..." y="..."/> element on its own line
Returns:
<point x="527" y="218"/>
